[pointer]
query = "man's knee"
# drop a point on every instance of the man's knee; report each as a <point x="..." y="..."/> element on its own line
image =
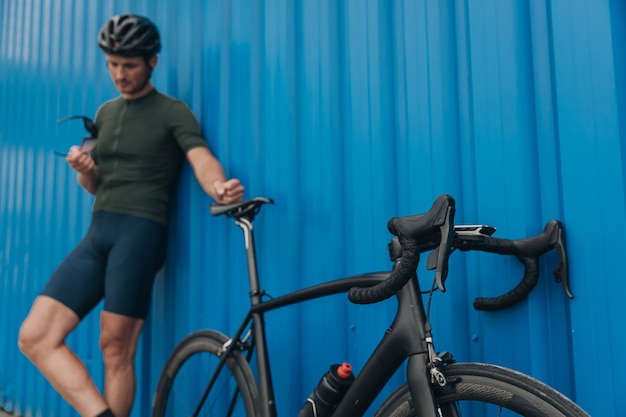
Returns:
<point x="118" y="339"/>
<point x="116" y="352"/>
<point x="35" y="339"/>
<point x="112" y="347"/>
<point x="45" y="328"/>
<point x="29" y="338"/>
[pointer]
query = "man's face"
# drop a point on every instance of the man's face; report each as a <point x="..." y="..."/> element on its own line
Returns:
<point x="131" y="75"/>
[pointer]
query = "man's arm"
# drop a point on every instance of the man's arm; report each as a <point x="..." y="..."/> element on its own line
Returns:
<point x="211" y="177"/>
<point x="84" y="165"/>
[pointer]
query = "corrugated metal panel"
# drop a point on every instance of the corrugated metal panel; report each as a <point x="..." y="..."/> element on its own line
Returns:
<point x="346" y="113"/>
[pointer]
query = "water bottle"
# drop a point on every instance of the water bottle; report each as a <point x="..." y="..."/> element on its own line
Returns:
<point x="329" y="391"/>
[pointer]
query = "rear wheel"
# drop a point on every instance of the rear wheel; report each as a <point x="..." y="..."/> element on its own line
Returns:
<point x="475" y="389"/>
<point x="188" y="371"/>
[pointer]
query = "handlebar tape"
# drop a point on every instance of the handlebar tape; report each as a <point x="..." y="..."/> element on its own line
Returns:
<point x="403" y="270"/>
<point x="517" y="294"/>
<point x="527" y="251"/>
<point x="507" y="247"/>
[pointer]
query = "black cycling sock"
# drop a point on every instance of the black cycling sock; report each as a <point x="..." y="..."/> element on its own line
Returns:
<point x="106" y="413"/>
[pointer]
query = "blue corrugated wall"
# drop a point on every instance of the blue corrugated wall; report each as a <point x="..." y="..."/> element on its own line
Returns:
<point x="346" y="113"/>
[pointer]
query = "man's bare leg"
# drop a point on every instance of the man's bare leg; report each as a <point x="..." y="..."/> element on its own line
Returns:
<point x="42" y="339"/>
<point x="118" y="341"/>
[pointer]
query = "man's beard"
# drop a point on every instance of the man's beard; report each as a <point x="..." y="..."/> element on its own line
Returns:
<point x="141" y="86"/>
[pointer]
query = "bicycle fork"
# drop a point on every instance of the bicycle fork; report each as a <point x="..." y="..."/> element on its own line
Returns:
<point x="428" y="364"/>
<point x="419" y="384"/>
<point x="422" y="373"/>
<point x="422" y="367"/>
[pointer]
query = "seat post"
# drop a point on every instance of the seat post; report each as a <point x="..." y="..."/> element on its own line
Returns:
<point x="253" y="276"/>
<point x="266" y="387"/>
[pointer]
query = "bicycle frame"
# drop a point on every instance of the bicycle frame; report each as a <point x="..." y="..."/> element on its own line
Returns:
<point x="434" y="385"/>
<point x="406" y="338"/>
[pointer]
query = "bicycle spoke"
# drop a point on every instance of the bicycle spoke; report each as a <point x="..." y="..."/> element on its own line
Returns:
<point x="233" y="402"/>
<point x="186" y="394"/>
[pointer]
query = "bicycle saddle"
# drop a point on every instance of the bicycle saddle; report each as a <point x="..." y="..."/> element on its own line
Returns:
<point x="247" y="209"/>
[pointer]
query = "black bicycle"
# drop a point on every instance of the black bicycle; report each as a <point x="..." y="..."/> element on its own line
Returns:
<point x="210" y="374"/>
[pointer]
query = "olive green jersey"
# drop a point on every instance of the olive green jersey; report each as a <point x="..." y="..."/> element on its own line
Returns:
<point x="140" y="148"/>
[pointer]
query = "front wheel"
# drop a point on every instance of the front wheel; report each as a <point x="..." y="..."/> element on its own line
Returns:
<point x="188" y="371"/>
<point x="475" y="389"/>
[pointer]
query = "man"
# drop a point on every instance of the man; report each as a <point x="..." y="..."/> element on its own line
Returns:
<point x="143" y="137"/>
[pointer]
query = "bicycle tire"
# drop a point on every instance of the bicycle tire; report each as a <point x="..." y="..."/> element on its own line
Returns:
<point x="186" y="375"/>
<point x="476" y="389"/>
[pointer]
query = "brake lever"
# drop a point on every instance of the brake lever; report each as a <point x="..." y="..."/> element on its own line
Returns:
<point x="561" y="272"/>
<point x="438" y="259"/>
<point x="552" y="237"/>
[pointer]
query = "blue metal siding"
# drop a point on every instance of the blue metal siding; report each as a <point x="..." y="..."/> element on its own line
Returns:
<point x="346" y="113"/>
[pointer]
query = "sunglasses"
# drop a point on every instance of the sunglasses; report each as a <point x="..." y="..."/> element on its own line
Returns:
<point x="89" y="142"/>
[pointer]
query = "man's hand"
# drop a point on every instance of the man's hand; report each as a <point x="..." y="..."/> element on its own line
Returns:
<point x="88" y="172"/>
<point x="227" y="192"/>
<point x="81" y="162"/>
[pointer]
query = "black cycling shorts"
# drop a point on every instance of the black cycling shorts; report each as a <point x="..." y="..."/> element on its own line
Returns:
<point x="117" y="260"/>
